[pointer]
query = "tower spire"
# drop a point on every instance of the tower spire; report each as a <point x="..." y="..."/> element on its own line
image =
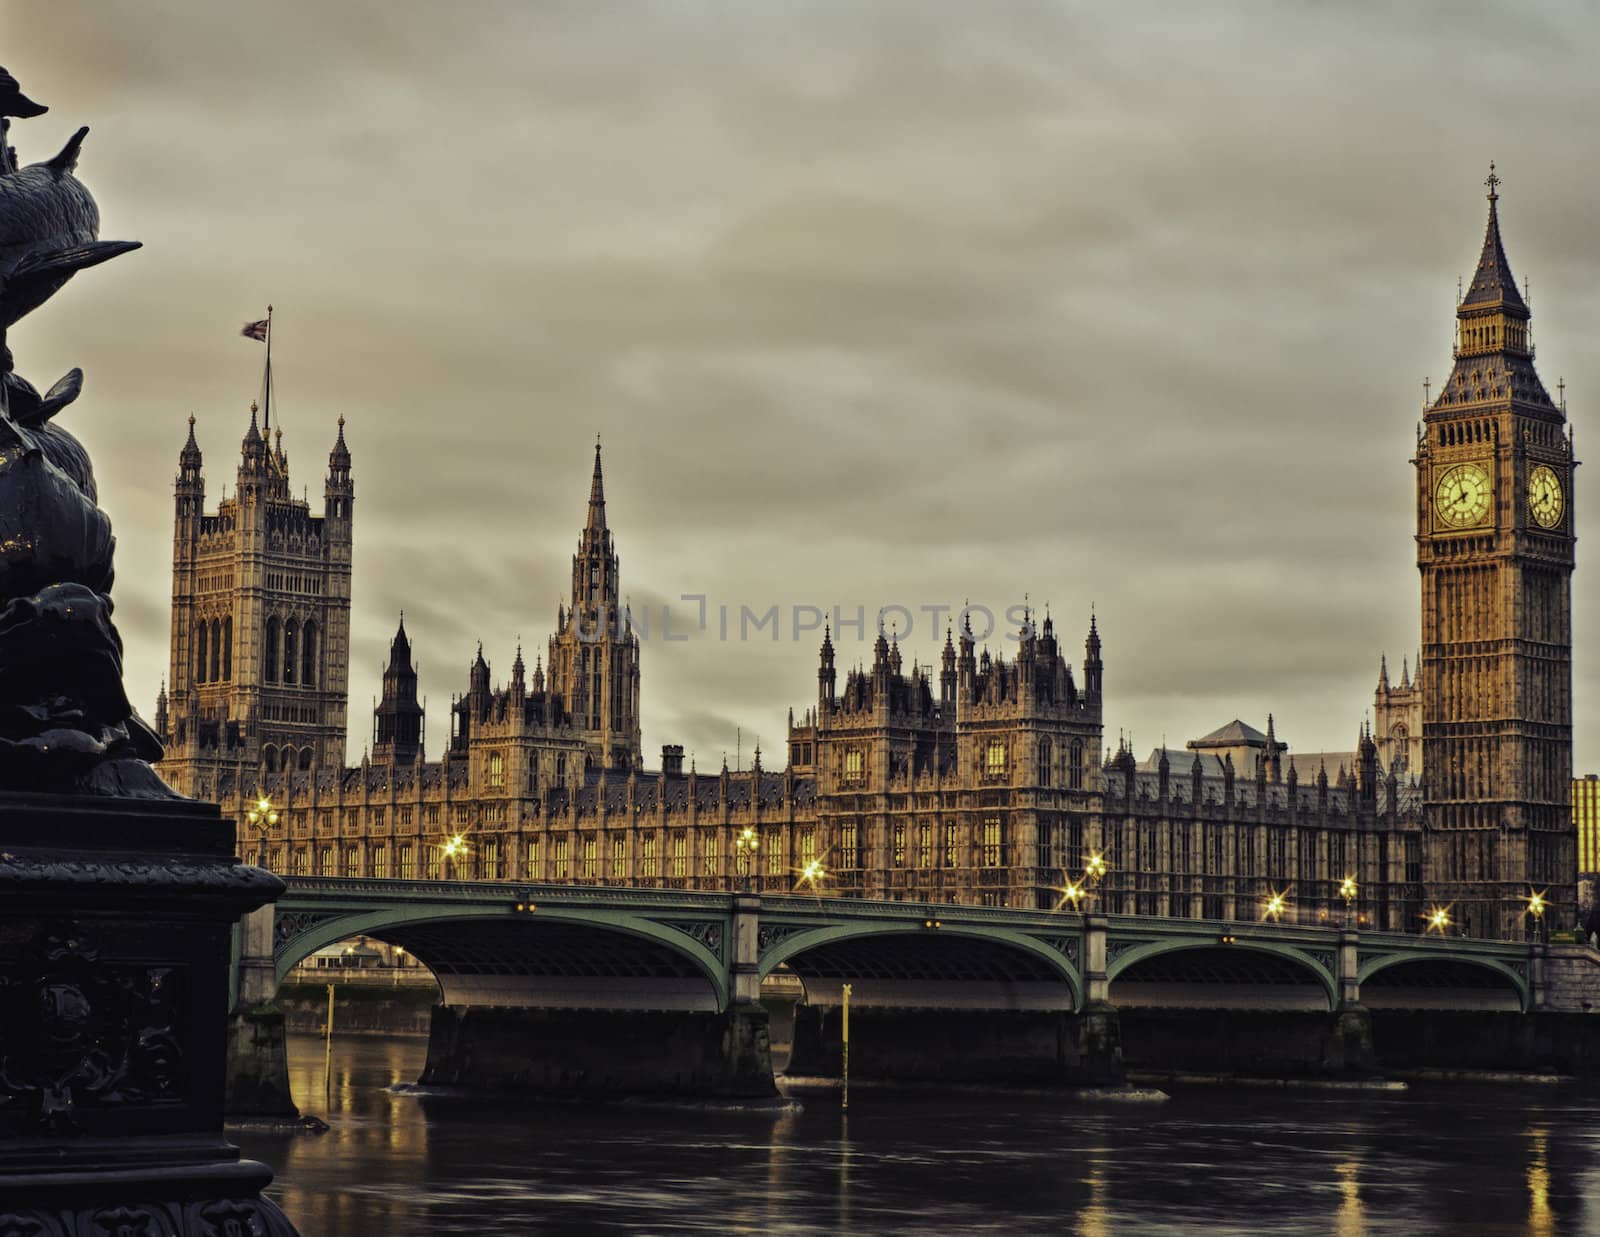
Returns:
<point x="1493" y="283"/>
<point x="597" y="494"/>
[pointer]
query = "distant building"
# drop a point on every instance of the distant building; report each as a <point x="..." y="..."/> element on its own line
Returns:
<point x="1586" y="820"/>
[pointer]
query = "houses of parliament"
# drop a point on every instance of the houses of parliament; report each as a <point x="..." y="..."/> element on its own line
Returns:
<point x="985" y="780"/>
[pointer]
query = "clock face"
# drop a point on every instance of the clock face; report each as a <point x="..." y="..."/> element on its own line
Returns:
<point x="1461" y="495"/>
<point x="1544" y="496"/>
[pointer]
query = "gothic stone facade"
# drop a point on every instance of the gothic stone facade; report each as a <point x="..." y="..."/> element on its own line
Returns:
<point x="984" y="781"/>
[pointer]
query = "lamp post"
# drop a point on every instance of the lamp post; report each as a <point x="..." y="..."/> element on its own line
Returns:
<point x="1537" y="905"/>
<point x="261" y="817"/>
<point x="1347" y="891"/>
<point x="454" y="848"/>
<point x="744" y="847"/>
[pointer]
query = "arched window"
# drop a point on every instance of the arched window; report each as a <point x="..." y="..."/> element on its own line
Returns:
<point x="201" y="633"/>
<point x="305" y="757"/>
<point x="269" y="655"/>
<point x="269" y="757"/>
<point x="291" y="630"/>
<point x="216" y="650"/>
<point x="308" y="655"/>
<point x="227" y="648"/>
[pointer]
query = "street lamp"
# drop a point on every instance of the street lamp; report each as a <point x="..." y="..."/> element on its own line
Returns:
<point x="744" y="847"/>
<point x="1537" y="905"/>
<point x="1438" y="919"/>
<point x="812" y="874"/>
<point x="1276" y="904"/>
<point x="262" y="817"/>
<point x="1347" y="891"/>
<point x="454" y="848"/>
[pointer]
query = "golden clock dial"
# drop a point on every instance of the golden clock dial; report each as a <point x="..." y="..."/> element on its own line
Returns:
<point x="1461" y="495"/>
<point x="1545" y="503"/>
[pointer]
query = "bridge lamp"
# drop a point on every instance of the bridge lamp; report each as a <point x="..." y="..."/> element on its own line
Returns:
<point x="1095" y="868"/>
<point x="812" y="874"/>
<point x="262" y="817"/>
<point x="1537" y="904"/>
<point x="1070" y="893"/>
<point x="1276" y="905"/>
<point x="1347" y="891"/>
<point x="1438" y="919"/>
<point x="744" y="847"/>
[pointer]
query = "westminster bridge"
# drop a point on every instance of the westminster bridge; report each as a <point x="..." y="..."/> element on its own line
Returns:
<point x="614" y="989"/>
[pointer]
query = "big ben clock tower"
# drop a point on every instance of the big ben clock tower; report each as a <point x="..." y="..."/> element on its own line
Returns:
<point x="1495" y="550"/>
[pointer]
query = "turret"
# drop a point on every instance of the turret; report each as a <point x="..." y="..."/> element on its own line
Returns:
<point x="827" y="679"/>
<point x="339" y="491"/>
<point x="1093" y="671"/>
<point x="397" y="720"/>
<point x="190" y="488"/>
<point x="947" y="674"/>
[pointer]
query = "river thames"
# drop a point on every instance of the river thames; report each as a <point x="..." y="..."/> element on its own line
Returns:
<point x="1434" y="1159"/>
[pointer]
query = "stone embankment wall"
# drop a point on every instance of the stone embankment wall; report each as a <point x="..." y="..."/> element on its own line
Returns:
<point x="1572" y="978"/>
<point x="358" y="1009"/>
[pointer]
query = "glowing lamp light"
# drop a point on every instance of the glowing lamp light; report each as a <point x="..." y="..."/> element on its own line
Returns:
<point x="1438" y="919"/>
<point x="1276" y="905"/>
<point x="812" y="874"/>
<point x="1347" y="889"/>
<point x="1095" y="868"/>
<point x="1070" y="893"/>
<point x="1536" y="903"/>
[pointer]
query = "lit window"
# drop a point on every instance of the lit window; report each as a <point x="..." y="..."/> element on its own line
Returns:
<point x="925" y="845"/>
<point x="951" y="850"/>
<point x="993" y="846"/>
<point x="899" y="845"/>
<point x="708" y="851"/>
<point x="530" y="858"/>
<point x="558" y="861"/>
<point x="647" y="856"/>
<point x="680" y="856"/>
<point x="995" y="760"/>
<point x="774" y="848"/>
<point x="619" y="857"/>
<point x="380" y="861"/>
<point x="854" y="765"/>
<point x="497" y="771"/>
<point x="808" y="848"/>
<point x="849" y="847"/>
<point x="591" y="859"/>
<point x="408" y="862"/>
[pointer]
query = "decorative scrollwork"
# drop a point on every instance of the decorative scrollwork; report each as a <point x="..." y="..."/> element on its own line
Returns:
<point x="86" y="1033"/>
<point x="1067" y="946"/>
<point x="291" y="924"/>
<point x="769" y="935"/>
<point x="1322" y="957"/>
<point x="707" y="932"/>
<point x="1115" y="949"/>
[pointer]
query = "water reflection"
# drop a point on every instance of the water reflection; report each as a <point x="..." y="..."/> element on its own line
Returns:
<point x="1541" y="1222"/>
<point x="1352" y="1215"/>
<point x="1236" y="1162"/>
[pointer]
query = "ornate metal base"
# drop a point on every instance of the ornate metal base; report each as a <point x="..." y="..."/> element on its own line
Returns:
<point x="115" y="930"/>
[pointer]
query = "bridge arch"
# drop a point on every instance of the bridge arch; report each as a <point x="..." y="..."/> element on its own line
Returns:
<point x="903" y="964"/>
<point x="1252" y="972"/>
<point x="489" y="955"/>
<point x="1445" y="980"/>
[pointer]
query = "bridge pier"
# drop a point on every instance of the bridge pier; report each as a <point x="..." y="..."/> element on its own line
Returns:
<point x="256" y="1085"/>
<point x="1018" y="1047"/>
<point x="602" y="1053"/>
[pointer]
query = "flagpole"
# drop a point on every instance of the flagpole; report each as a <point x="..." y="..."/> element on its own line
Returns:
<point x="266" y="420"/>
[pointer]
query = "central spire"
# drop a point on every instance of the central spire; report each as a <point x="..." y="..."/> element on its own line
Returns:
<point x="1493" y="283"/>
<point x="597" y="494"/>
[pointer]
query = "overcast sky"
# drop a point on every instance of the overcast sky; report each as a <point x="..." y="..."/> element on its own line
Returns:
<point x="873" y="304"/>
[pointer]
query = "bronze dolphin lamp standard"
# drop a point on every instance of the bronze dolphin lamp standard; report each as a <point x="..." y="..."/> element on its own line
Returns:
<point x="65" y="722"/>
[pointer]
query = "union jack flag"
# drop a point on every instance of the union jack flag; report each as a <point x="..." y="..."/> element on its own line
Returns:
<point x="256" y="330"/>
